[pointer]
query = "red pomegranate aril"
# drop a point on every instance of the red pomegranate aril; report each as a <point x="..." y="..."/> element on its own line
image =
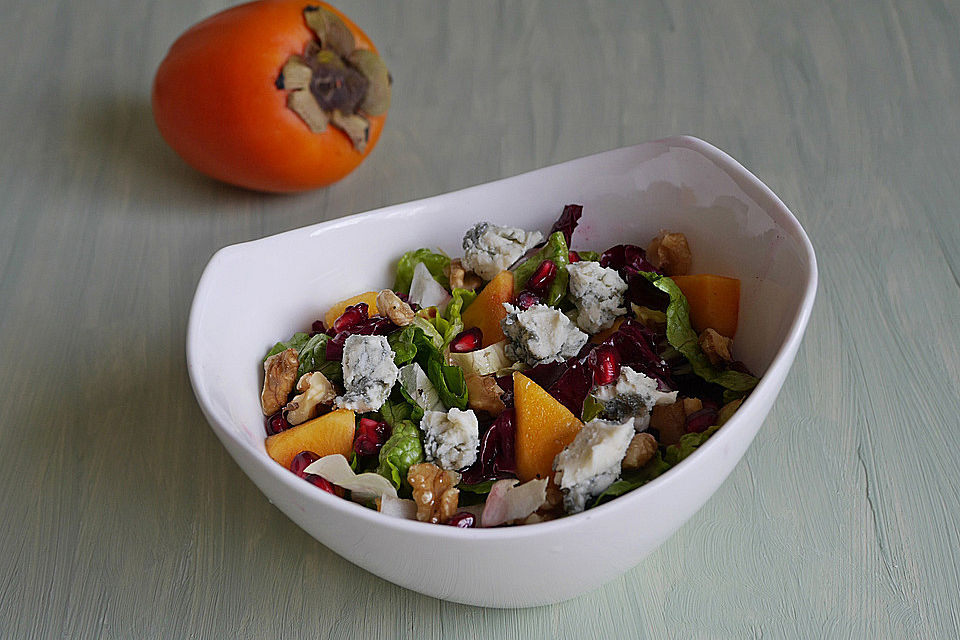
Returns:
<point x="301" y="461"/>
<point x="277" y="423"/>
<point x="527" y="299"/>
<point x="543" y="276"/>
<point x="351" y="316"/>
<point x="317" y="327"/>
<point x="573" y="257"/>
<point x="604" y="361"/>
<point x="467" y="341"/>
<point x="462" y="520"/>
<point x="321" y="483"/>
<point x="370" y="437"/>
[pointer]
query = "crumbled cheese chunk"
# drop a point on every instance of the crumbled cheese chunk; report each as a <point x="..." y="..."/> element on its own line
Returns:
<point x="591" y="463"/>
<point x="490" y="249"/>
<point x="540" y="334"/>
<point x="633" y="395"/>
<point x="598" y="294"/>
<point x="451" y="439"/>
<point x="369" y="373"/>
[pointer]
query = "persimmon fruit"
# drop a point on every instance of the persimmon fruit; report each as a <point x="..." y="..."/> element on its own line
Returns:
<point x="273" y="95"/>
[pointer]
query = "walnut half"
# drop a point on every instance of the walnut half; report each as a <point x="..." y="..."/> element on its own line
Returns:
<point x="435" y="492"/>
<point x="716" y="347"/>
<point x="670" y="253"/>
<point x="460" y="278"/>
<point x="279" y="378"/>
<point x="639" y="451"/>
<point x="484" y="393"/>
<point x="390" y="305"/>
<point x="315" y="391"/>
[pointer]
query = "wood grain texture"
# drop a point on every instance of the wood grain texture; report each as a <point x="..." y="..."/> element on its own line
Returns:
<point x="124" y="517"/>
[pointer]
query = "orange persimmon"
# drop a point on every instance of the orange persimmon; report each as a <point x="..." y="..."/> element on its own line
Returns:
<point x="219" y="100"/>
<point x="714" y="302"/>
<point x="487" y="312"/>
<point x="543" y="428"/>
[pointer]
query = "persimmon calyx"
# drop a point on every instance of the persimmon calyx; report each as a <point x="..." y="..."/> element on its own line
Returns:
<point x="333" y="81"/>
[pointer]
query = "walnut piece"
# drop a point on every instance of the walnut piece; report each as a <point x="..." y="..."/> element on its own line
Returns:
<point x="670" y="253"/>
<point x="670" y="421"/>
<point x="716" y="347"/>
<point x="279" y="378"/>
<point x="639" y="452"/>
<point x="484" y="393"/>
<point x="390" y="305"/>
<point x="460" y="278"/>
<point x="315" y="391"/>
<point x="435" y="492"/>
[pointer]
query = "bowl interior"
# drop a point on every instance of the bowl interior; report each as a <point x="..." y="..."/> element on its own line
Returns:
<point x="255" y="294"/>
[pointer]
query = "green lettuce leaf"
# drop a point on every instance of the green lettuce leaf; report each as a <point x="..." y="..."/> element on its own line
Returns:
<point x="684" y="339"/>
<point x="428" y="330"/>
<point x="443" y="328"/>
<point x="296" y="342"/>
<point x="313" y="357"/>
<point x="591" y="408"/>
<point x="402" y="450"/>
<point x="402" y="344"/>
<point x="687" y="445"/>
<point x="434" y="261"/>
<point x="395" y="409"/>
<point x="630" y="480"/>
<point x="555" y="249"/>
<point x="312" y="354"/>
<point x="589" y="256"/>
<point x="657" y="466"/>
<point x="449" y="380"/>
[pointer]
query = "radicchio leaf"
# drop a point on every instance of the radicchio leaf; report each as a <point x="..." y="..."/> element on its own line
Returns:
<point x="375" y="325"/>
<point x="496" y="458"/>
<point x="567" y="222"/>
<point x="629" y="260"/>
<point x="569" y="381"/>
<point x="636" y="344"/>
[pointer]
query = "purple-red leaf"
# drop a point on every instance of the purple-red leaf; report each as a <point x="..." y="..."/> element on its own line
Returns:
<point x="496" y="458"/>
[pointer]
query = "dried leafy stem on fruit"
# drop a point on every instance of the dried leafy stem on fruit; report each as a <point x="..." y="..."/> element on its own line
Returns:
<point x="333" y="82"/>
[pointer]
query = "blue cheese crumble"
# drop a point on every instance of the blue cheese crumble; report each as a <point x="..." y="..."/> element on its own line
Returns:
<point x="490" y="249"/>
<point x="368" y="373"/>
<point x="632" y="396"/>
<point x="591" y="463"/>
<point x="598" y="294"/>
<point x="540" y="334"/>
<point x="451" y="439"/>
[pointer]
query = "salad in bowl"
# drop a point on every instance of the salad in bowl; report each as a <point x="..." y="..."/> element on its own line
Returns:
<point x="526" y="379"/>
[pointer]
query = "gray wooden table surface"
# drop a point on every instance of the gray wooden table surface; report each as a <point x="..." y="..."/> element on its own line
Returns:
<point x="123" y="517"/>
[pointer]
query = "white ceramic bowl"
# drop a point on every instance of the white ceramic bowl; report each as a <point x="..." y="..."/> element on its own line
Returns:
<point x="256" y="293"/>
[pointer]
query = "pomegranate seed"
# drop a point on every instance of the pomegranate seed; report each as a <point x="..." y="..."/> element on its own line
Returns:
<point x="573" y="257"/>
<point x="321" y="482"/>
<point x="604" y="361"/>
<point x="466" y="341"/>
<point x="317" y="327"/>
<point x="543" y="276"/>
<point x="370" y="437"/>
<point x="351" y="316"/>
<point x="277" y="423"/>
<point x="462" y="520"/>
<point x="527" y="299"/>
<point x="301" y="461"/>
